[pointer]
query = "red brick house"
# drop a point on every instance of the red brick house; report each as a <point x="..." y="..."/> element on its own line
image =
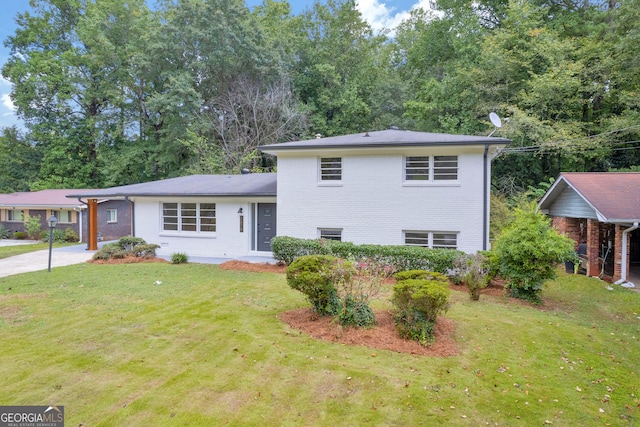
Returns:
<point x="603" y="211"/>
<point x="114" y="216"/>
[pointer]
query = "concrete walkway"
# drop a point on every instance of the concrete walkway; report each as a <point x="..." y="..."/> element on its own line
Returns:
<point x="77" y="254"/>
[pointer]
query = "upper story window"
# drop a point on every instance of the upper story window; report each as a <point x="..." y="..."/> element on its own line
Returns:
<point x="15" y="215"/>
<point x="112" y="215"/>
<point x="431" y="239"/>
<point x="330" y="169"/>
<point x="189" y="217"/>
<point x="431" y="168"/>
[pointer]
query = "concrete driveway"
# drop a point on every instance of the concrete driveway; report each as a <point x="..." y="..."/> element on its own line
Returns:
<point x="39" y="260"/>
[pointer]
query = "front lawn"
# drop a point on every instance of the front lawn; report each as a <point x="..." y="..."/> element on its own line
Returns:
<point x="162" y="344"/>
<point x="8" y="251"/>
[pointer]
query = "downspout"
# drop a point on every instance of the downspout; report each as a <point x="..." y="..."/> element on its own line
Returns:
<point x="624" y="269"/>
<point x="133" y="213"/>
<point x="485" y="201"/>
<point x="81" y="223"/>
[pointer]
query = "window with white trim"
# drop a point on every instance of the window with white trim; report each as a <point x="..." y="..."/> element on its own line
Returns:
<point x="15" y="215"/>
<point x="330" y="233"/>
<point x="189" y="217"/>
<point x="64" y="217"/>
<point x="112" y="216"/>
<point x="330" y="169"/>
<point x="432" y="239"/>
<point x="431" y="168"/>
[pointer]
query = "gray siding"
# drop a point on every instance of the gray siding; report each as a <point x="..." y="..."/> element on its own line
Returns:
<point x="570" y="204"/>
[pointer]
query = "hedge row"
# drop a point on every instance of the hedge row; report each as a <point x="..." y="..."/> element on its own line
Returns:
<point x="286" y="249"/>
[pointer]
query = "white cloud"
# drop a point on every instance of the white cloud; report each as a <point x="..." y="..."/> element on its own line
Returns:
<point x="7" y="103"/>
<point x="380" y="16"/>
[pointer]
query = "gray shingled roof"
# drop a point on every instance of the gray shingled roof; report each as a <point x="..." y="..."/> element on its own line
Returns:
<point x="256" y="184"/>
<point x="385" y="138"/>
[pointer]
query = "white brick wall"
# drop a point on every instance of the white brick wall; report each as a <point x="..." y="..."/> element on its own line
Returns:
<point x="227" y="242"/>
<point x="372" y="205"/>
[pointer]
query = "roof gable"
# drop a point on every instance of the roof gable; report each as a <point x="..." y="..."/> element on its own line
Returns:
<point x="614" y="196"/>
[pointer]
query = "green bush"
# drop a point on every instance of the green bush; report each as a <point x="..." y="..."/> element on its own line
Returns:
<point x="528" y="251"/>
<point x="399" y="258"/>
<point x="418" y="302"/>
<point x="4" y="233"/>
<point x="70" y="235"/>
<point x="472" y="270"/>
<point x="356" y="312"/>
<point x="124" y="247"/>
<point x="32" y="226"/>
<point x="179" y="258"/>
<point x="129" y="242"/>
<point x="312" y="275"/>
<point x="19" y="235"/>
<point x="58" y="236"/>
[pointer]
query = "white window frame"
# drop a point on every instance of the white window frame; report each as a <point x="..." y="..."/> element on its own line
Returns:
<point x="419" y="170"/>
<point x="11" y="213"/>
<point x="112" y="216"/>
<point x="330" y="234"/>
<point x="431" y="239"/>
<point x="190" y="218"/>
<point x="328" y="172"/>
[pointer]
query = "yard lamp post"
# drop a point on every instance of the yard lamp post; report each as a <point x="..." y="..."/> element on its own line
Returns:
<point x="53" y="221"/>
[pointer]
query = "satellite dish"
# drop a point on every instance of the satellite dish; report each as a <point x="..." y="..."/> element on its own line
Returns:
<point x="495" y="119"/>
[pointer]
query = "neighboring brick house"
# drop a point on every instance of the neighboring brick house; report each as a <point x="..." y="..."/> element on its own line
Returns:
<point x="602" y="210"/>
<point x="391" y="187"/>
<point x="114" y="215"/>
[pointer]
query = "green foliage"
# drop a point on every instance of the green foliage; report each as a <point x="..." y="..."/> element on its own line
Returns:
<point x="4" y="233"/>
<point x="128" y="243"/>
<point x="59" y="236"/>
<point x="313" y="276"/>
<point x="19" y="235"/>
<point x="528" y="251"/>
<point x="472" y="270"/>
<point x="179" y="258"/>
<point x="70" y="235"/>
<point x="398" y="258"/>
<point x="126" y="246"/>
<point x="356" y="313"/>
<point x="32" y="227"/>
<point x="418" y="302"/>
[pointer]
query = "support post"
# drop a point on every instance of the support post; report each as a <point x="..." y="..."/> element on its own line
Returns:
<point x="93" y="225"/>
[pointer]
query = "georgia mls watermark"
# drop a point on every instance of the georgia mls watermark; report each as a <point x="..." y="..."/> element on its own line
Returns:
<point x="31" y="416"/>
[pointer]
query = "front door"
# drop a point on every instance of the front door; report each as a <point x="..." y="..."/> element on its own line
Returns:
<point x="266" y="225"/>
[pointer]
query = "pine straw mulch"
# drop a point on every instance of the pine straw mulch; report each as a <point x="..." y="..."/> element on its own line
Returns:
<point x="129" y="259"/>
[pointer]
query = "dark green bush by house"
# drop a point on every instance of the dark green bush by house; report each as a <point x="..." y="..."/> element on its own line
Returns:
<point x="312" y="275"/>
<point x="126" y="246"/>
<point x="400" y="258"/>
<point x="418" y="302"/>
<point x="179" y="258"/>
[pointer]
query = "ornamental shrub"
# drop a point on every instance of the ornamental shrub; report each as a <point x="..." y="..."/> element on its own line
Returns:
<point x="124" y="247"/>
<point x="4" y="233"/>
<point x="32" y="226"/>
<point x="528" y="251"/>
<point x="399" y="258"/>
<point x="19" y="235"/>
<point x="129" y="242"/>
<point x="70" y="235"/>
<point x="313" y="276"/>
<point x="179" y="258"/>
<point x="472" y="270"/>
<point x="417" y="304"/>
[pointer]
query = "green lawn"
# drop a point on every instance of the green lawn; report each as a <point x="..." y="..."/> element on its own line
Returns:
<point x="205" y="347"/>
<point x="8" y="251"/>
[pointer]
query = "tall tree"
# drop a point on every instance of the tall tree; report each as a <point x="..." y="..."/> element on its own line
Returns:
<point x="19" y="159"/>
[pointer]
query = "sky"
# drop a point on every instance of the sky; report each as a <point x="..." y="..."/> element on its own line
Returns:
<point x="379" y="13"/>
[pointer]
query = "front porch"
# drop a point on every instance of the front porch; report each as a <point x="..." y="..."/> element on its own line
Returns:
<point x="610" y="254"/>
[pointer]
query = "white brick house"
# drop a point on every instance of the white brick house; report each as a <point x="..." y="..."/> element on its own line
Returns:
<point x="387" y="187"/>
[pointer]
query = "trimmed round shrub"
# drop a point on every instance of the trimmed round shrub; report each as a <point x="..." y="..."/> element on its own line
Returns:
<point x="356" y="313"/>
<point x="418" y="302"/>
<point x="312" y="275"/>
